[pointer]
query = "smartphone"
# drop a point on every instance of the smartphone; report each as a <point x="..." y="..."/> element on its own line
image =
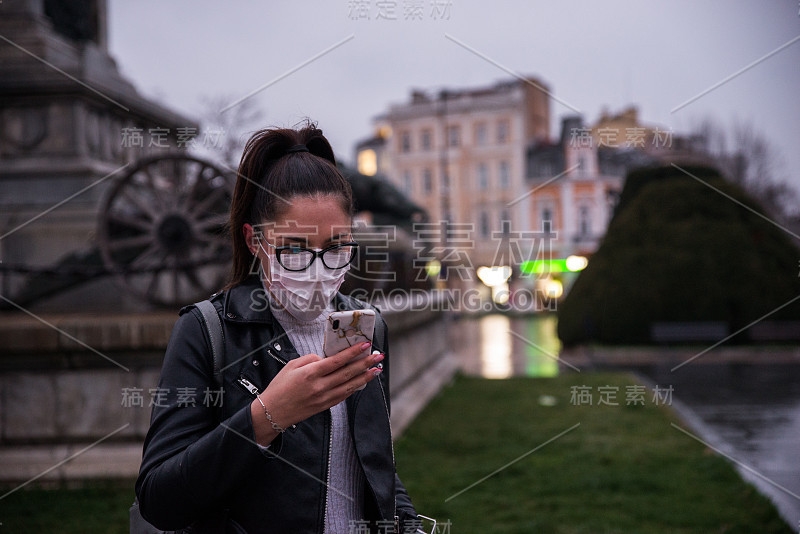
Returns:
<point x="348" y="328"/>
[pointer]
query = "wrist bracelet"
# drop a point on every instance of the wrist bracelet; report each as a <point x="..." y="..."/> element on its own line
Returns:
<point x="275" y="426"/>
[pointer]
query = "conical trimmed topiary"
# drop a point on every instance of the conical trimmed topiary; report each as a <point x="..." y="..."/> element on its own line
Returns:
<point x="678" y="250"/>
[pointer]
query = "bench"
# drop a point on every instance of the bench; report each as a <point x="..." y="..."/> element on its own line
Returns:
<point x="671" y="332"/>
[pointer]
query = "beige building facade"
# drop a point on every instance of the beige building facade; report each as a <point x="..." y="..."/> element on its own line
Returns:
<point x="461" y="155"/>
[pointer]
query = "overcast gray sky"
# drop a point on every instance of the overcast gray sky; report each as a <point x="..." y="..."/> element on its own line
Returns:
<point x="593" y="54"/>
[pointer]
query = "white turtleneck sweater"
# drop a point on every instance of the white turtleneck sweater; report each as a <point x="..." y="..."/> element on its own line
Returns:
<point x="345" y="495"/>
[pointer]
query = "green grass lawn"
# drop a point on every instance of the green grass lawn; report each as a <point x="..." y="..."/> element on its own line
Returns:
<point x="96" y="507"/>
<point x="624" y="469"/>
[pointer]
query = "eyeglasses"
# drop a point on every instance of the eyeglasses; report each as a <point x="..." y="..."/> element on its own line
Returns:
<point x="296" y="258"/>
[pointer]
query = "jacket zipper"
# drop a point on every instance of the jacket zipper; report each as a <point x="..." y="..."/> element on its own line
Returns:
<point x="269" y="352"/>
<point x="391" y="442"/>
<point x="249" y="386"/>
<point x="328" y="472"/>
<point x="371" y="489"/>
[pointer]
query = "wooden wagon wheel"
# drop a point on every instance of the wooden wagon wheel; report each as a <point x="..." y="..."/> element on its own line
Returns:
<point x="162" y="229"/>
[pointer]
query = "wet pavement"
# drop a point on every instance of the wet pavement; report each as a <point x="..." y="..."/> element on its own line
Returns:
<point x="749" y="412"/>
<point x="753" y="414"/>
<point x="500" y="346"/>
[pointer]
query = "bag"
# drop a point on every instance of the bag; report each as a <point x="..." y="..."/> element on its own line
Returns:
<point x="213" y="326"/>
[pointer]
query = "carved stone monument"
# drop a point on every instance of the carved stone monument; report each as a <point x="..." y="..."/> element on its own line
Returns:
<point x="69" y="123"/>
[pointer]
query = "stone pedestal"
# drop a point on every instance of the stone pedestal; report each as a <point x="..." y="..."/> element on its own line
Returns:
<point x="67" y="388"/>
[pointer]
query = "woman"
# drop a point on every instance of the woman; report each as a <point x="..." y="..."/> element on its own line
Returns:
<point x="299" y="443"/>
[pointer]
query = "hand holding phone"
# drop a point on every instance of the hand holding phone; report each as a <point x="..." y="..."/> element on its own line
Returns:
<point x="348" y="328"/>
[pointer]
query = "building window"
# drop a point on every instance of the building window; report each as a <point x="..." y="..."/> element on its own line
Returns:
<point x="483" y="223"/>
<point x="405" y="142"/>
<point x="407" y="184"/>
<point x="481" y="135"/>
<point x="445" y="182"/>
<point x="505" y="177"/>
<point x="453" y="136"/>
<point x="483" y="177"/>
<point x="426" y="139"/>
<point x="502" y="132"/>
<point x="547" y="220"/>
<point x="427" y="180"/>
<point x="368" y="162"/>
<point x="505" y="222"/>
<point x="585" y="221"/>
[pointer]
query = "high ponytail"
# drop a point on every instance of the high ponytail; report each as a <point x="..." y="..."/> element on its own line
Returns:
<point x="270" y="174"/>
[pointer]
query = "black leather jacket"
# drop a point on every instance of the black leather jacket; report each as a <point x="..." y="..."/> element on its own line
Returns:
<point x="194" y="467"/>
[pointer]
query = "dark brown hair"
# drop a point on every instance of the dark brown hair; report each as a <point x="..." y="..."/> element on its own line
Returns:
<point x="268" y="176"/>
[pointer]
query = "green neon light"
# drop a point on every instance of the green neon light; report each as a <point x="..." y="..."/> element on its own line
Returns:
<point x="543" y="266"/>
<point x="547" y="266"/>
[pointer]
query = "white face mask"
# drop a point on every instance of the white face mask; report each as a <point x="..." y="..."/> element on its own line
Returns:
<point x="304" y="294"/>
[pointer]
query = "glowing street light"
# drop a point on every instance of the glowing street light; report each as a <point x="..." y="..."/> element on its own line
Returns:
<point x="576" y="263"/>
<point x="553" y="288"/>
<point x="433" y="268"/>
<point x="496" y="277"/>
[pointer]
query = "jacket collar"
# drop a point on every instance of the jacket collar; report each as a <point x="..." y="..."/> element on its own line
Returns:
<point x="249" y="303"/>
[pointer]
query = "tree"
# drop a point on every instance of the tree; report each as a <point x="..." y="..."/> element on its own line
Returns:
<point x="678" y="250"/>
<point x="224" y="133"/>
<point x="748" y="159"/>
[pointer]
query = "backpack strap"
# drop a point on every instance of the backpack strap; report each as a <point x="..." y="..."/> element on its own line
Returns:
<point x="213" y="325"/>
<point x="214" y="328"/>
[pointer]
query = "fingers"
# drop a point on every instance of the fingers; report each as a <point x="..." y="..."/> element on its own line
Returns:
<point x="351" y="386"/>
<point x="353" y="371"/>
<point x="340" y="359"/>
<point x="304" y="360"/>
<point x="354" y="368"/>
<point x="300" y="389"/>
